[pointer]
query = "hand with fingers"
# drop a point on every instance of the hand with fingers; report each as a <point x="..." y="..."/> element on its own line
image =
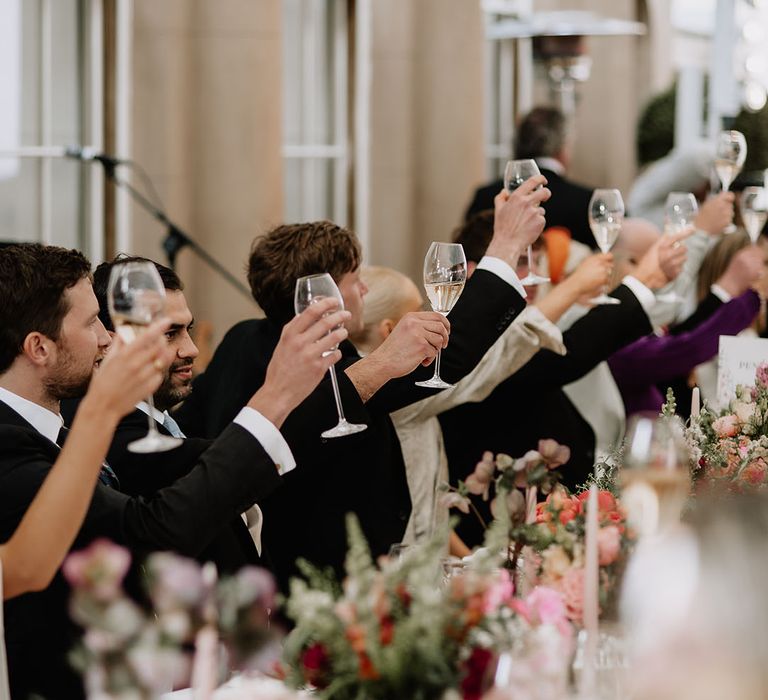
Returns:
<point x="746" y="269"/>
<point x="307" y="348"/>
<point x="414" y="341"/>
<point x="662" y="262"/>
<point x="518" y="219"/>
<point x="592" y="276"/>
<point x="716" y="213"/>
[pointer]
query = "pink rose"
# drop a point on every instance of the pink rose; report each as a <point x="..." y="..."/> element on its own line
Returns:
<point x="761" y="375"/>
<point x="608" y="544"/>
<point x="100" y="569"/>
<point x="727" y="426"/>
<point x="754" y="472"/>
<point x="499" y="592"/>
<point x="546" y="606"/>
<point x="572" y="588"/>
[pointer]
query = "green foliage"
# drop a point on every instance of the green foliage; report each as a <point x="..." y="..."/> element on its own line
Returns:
<point x="656" y="127"/>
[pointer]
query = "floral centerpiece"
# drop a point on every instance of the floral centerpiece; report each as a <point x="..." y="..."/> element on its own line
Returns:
<point x="130" y="652"/>
<point x="554" y="530"/>
<point x="730" y="447"/>
<point x="397" y="630"/>
<point x="558" y="538"/>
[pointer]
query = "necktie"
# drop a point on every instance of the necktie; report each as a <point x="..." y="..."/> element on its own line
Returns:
<point x="172" y="426"/>
<point x="107" y="475"/>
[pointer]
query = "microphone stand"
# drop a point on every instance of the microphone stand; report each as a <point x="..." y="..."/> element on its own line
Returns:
<point x="176" y="238"/>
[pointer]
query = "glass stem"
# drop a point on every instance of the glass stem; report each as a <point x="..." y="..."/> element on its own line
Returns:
<point x="436" y="375"/>
<point x="152" y="426"/>
<point x="531" y="271"/>
<point x="336" y="396"/>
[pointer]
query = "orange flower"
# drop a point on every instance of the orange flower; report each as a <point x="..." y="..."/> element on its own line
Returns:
<point x="368" y="671"/>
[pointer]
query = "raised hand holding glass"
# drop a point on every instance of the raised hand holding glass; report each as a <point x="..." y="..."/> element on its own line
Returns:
<point x="136" y="297"/>
<point x="679" y="212"/>
<point x="606" y="214"/>
<point x="309" y="290"/>
<point x="445" y="272"/>
<point x="515" y="174"/>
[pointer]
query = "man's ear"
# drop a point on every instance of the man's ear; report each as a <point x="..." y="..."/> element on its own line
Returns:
<point x="37" y="347"/>
<point x="385" y="327"/>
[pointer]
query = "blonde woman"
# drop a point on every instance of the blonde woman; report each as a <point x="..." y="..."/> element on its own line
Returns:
<point x="390" y="296"/>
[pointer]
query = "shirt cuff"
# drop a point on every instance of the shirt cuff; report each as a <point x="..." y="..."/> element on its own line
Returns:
<point x="644" y="295"/>
<point x="502" y="269"/>
<point x="720" y="293"/>
<point x="269" y="436"/>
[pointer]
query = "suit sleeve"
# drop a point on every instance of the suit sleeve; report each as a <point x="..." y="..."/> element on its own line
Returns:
<point x="592" y="339"/>
<point x="229" y="477"/>
<point x="655" y="359"/>
<point x="484" y="311"/>
<point x="704" y="310"/>
<point x="144" y="474"/>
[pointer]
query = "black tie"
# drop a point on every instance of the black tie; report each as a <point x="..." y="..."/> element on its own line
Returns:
<point x="107" y="475"/>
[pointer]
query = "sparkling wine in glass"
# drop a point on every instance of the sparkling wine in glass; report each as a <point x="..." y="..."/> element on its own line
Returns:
<point x="606" y="214"/>
<point x="655" y="477"/>
<point x="445" y="272"/>
<point x="310" y="290"/>
<point x="679" y="212"/>
<point x="515" y="174"/>
<point x="136" y="297"/>
<point x="730" y="154"/>
<point x="754" y="210"/>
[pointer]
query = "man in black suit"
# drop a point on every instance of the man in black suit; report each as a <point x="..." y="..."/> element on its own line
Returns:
<point x="542" y="136"/>
<point x="362" y="473"/>
<point x="531" y="405"/>
<point x="143" y="474"/>
<point x="51" y="340"/>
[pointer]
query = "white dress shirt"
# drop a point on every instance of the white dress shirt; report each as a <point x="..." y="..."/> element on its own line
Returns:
<point x="46" y="422"/>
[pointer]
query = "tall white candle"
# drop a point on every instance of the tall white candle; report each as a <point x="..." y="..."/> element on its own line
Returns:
<point x="695" y="402"/>
<point x="591" y="592"/>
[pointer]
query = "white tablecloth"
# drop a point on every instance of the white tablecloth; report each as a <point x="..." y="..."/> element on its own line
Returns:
<point x="242" y="688"/>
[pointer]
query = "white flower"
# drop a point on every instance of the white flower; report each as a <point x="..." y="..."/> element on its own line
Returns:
<point x="744" y="410"/>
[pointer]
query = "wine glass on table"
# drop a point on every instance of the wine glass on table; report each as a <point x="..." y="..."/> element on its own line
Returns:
<point x="445" y="272"/>
<point x="754" y="210"/>
<point x="655" y="477"/>
<point x="606" y="214"/>
<point x="310" y="290"/>
<point x="679" y="212"/>
<point x="136" y="297"/>
<point x="730" y="154"/>
<point x="515" y="174"/>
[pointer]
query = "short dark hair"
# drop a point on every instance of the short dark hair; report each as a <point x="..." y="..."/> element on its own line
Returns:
<point x="33" y="280"/>
<point x="540" y="133"/>
<point x="290" y="251"/>
<point x="475" y="235"/>
<point x="171" y="282"/>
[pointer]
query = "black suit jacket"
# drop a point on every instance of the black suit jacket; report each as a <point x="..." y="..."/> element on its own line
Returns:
<point x="566" y="207"/>
<point x="362" y="473"/>
<point x="144" y="474"/>
<point x="531" y="405"/>
<point x="228" y="478"/>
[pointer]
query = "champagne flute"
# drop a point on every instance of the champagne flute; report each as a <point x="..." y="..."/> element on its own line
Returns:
<point x="310" y="290"/>
<point x="515" y="174"/>
<point x="679" y="212"/>
<point x="445" y="272"/>
<point x="730" y="154"/>
<point x="655" y="475"/>
<point x="136" y="297"/>
<point x="754" y="210"/>
<point x="606" y="214"/>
